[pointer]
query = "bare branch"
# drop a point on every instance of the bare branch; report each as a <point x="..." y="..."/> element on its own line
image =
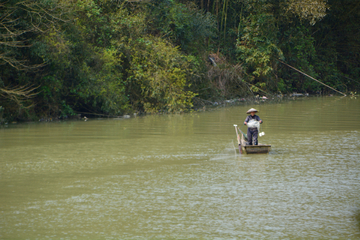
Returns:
<point x="34" y="18"/>
<point x="15" y="44"/>
<point x="18" y="94"/>
<point x="19" y="64"/>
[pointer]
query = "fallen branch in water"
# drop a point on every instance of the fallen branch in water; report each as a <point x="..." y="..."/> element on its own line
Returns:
<point x="96" y="114"/>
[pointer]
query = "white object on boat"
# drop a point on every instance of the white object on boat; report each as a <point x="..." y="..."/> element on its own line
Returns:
<point x="253" y="124"/>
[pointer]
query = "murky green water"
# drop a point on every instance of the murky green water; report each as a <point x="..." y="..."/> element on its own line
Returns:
<point x="178" y="176"/>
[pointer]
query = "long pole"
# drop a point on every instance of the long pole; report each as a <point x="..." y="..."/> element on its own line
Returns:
<point x="311" y="77"/>
<point x="238" y="138"/>
<point x="237" y="134"/>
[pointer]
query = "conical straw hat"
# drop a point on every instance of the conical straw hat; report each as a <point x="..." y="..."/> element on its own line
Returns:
<point x="252" y="110"/>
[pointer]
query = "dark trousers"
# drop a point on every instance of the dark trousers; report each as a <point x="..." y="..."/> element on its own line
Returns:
<point x="252" y="135"/>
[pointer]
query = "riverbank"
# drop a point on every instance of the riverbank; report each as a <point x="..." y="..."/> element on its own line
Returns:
<point x="200" y="105"/>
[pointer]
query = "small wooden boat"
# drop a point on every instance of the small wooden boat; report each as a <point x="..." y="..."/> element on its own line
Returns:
<point x="260" y="148"/>
<point x="249" y="149"/>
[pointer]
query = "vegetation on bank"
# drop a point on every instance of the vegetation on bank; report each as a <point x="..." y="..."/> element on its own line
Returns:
<point x="113" y="57"/>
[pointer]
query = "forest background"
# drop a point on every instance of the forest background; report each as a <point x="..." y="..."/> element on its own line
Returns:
<point x="59" y="58"/>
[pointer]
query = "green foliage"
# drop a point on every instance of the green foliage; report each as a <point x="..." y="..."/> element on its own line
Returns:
<point x="159" y="71"/>
<point x="66" y="110"/>
<point x="258" y="46"/>
<point x="299" y="50"/>
<point x="104" y="59"/>
<point x="185" y="25"/>
<point x="292" y="31"/>
<point x="310" y="10"/>
<point x="113" y="57"/>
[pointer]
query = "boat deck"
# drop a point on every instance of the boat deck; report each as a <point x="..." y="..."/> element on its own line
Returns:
<point x="249" y="149"/>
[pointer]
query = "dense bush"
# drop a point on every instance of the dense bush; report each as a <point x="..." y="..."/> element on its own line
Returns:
<point x="61" y="58"/>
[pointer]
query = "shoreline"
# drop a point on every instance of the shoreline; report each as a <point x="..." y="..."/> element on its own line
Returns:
<point x="200" y="105"/>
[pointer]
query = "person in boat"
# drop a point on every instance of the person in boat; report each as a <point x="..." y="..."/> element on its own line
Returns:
<point x="252" y="133"/>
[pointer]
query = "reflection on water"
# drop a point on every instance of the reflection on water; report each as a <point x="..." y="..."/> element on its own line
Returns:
<point x="179" y="176"/>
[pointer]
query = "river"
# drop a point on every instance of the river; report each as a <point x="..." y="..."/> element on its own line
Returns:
<point x="180" y="177"/>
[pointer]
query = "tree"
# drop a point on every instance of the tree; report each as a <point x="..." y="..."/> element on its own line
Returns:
<point x="20" y="21"/>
